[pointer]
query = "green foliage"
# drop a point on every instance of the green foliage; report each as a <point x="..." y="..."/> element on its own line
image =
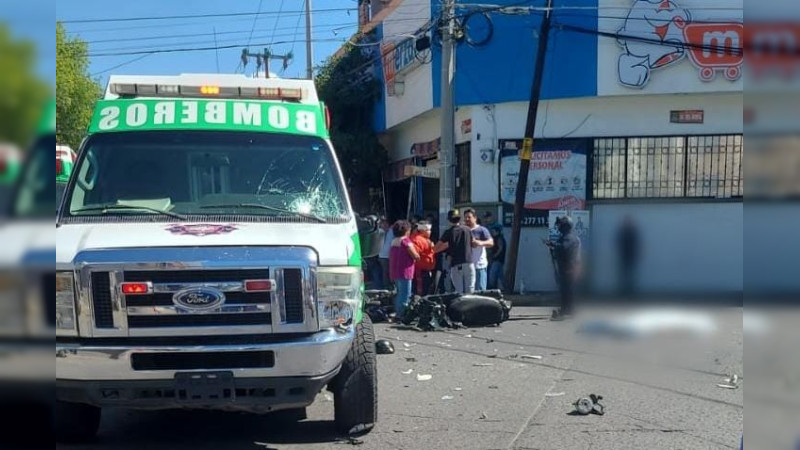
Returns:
<point x="24" y="93"/>
<point x="76" y="91"/>
<point x="350" y="94"/>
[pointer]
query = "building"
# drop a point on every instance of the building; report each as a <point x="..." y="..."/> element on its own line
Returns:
<point x="641" y="116"/>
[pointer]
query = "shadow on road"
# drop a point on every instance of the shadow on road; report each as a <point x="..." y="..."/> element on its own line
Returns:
<point x="126" y="429"/>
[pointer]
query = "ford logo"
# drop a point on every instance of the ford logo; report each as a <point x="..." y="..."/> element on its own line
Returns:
<point x="198" y="299"/>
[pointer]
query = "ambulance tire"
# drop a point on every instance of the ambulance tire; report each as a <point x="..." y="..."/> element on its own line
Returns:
<point x="76" y="422"/>
<point x="355" y="388"/>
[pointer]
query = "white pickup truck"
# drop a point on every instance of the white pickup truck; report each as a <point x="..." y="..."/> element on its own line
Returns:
<point x="208" y="257"/>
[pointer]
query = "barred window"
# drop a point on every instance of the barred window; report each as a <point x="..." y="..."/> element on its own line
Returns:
<point x="667" y="167"/>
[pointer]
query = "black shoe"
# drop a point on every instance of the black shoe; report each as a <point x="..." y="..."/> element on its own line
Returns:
<point x="556" y="316"/>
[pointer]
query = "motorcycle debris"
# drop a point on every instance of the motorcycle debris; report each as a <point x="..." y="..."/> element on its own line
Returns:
<point x="530" y="357"/>
<point x="482" y="365"/>
<point x="447" y="397"/>
<point x="554" y="394"/>
<point x="423" y="377"/>
<point x="407" y="372"/>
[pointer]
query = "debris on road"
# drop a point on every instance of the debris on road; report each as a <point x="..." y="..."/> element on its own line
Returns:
<point x="732" y="382"/>
<point x="423" y="377"/>
<point x="447" y="397"/>
<point x="484" y="416"/>
<point x="482" y="365"/>
<point x="384" y="347"/>
<point x="407" y="372"/>
<point x="494" y="387"/>
<point x="358" y="429"/>
<point x="554" y="394"/>
<point x="407" y="345"/>
<point x="457" y="389"/>
<point x="411" y="359"/>
<point x="530" y="357"/>
<point x="589" y="405"/>
<point x="467" y="335"/>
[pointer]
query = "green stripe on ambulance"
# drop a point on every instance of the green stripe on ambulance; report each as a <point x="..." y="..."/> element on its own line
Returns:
<point x="222" y="115"/>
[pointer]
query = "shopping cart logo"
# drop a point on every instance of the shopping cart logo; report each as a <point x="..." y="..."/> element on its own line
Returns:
<point x="659" y="34"/>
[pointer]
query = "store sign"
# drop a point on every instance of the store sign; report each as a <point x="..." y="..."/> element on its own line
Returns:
<point x="426" y="150"/>
<point x="660" y="34"/>
<point x="466" y="126"/>
<point x="556" y="178"/>
<point x="395" y="171"/>
<point x="424" y="172"/>
<point x="687" y="116"/>
<point x="398" y="59"/>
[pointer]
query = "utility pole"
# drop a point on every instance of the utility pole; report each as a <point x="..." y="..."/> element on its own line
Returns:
<point x="527" y="150"/>
<point x="309" y="54"/>
<point x="447" y="139"/>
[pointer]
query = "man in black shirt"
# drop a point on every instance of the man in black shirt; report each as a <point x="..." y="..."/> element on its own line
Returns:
<point x="457" y="243"/>
<point x="497" y="258"/>
<point x="567" y="253"/>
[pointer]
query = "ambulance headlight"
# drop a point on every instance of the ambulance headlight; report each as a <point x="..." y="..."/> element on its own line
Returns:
<point x="65" y="303"/>
<point x="339" y="294"/>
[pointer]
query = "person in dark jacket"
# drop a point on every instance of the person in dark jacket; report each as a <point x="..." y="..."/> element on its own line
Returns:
<point x="628" y="248"/>
<point x="567" y="254"/>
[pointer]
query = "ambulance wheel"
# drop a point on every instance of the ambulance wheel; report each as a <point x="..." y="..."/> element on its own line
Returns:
<point x="355" y="388"/>
<point x="76" y="422"/>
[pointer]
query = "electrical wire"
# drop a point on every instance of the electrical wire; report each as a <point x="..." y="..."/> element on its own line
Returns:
<point x="138" y="58"/>
<point x="199" y="49"/>
<point x="277" y="19"/>
<point x="297" y="29"/>
<point x="255" y="20"/>
<point x="194" y="16"/>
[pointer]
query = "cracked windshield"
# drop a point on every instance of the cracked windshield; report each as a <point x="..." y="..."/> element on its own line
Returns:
<point x="207" y="173"/>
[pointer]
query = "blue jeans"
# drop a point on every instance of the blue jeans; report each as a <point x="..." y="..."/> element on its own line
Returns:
<point x="481" y="276"/>
<point x="496" y="275"/>
<point x="403" y="294"/>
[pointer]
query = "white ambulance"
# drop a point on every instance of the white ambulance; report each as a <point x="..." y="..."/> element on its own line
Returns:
<point x="208" y="257"/>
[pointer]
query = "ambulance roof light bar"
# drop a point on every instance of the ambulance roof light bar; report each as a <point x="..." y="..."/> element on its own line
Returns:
<point x="131" y="90"/>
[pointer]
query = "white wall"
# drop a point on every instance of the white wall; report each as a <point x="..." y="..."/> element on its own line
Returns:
<point x="685" y="247"/>
<point x="417" y="98"/>
<point x="771" y="248"/>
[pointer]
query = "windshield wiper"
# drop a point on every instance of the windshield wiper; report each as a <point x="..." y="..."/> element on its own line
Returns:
<point x="269" y="208"/>
<point x="105" y="209"/>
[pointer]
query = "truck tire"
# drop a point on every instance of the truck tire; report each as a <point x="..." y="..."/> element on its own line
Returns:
<point x="355" y="388"/>
<point x="76" y="422"/>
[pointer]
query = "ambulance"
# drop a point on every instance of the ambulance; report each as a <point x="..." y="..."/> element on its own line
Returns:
<point x="9" y="169"/>
<point x="208" y="257"/>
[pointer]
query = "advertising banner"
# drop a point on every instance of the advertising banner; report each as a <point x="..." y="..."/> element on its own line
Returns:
<point x="556" y="180"/>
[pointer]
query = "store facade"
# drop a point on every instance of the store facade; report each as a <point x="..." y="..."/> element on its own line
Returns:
<point x="628" y="126"/>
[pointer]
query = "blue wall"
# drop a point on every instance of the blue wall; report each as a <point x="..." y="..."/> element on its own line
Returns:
<point x="502" y="70"/>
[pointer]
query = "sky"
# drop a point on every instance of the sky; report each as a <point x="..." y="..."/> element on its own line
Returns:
<point x="32" y="20"/>
<point x="278" y="21"/>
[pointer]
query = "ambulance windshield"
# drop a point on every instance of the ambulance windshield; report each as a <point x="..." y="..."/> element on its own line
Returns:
<point x="164" y="175"/>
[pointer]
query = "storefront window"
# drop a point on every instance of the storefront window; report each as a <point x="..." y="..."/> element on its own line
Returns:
<point x="667" y="167"/>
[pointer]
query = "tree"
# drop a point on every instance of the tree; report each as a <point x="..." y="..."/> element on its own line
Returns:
<point x="24" y="94"/>
<point x="347" y="89"/>
<point x="76" y="91"/>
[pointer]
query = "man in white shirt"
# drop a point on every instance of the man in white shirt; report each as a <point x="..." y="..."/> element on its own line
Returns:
<point x="383" y="256"/>
<point x="481" y="240"/>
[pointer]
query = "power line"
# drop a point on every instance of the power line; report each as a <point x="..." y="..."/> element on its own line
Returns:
<point x="274" y="27"/>
<point x="220" y="33"/>
<point x="199" y="49"/>
<point x="194" y="16"/>
<point x="119" y="65"/>
<point x="255" y="19"/>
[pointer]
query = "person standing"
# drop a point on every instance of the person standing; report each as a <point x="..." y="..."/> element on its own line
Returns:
<point x="481" y="240"/>
<point x="383" y="255"/>
<point x="628" y="249"/>
<point x="423" y="276"/>
<point x="456" y="241"/>
<point x="567" y="254"/>
<point x="497" y="258"/>
<point x="402" y="259"/>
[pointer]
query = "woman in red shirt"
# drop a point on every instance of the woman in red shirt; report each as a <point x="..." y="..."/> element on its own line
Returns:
<point x="402" y="256"/>
<point x="421" y="237"/>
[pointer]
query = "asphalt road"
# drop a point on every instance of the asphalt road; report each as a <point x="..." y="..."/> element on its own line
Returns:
<point x="487" y="391"/>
